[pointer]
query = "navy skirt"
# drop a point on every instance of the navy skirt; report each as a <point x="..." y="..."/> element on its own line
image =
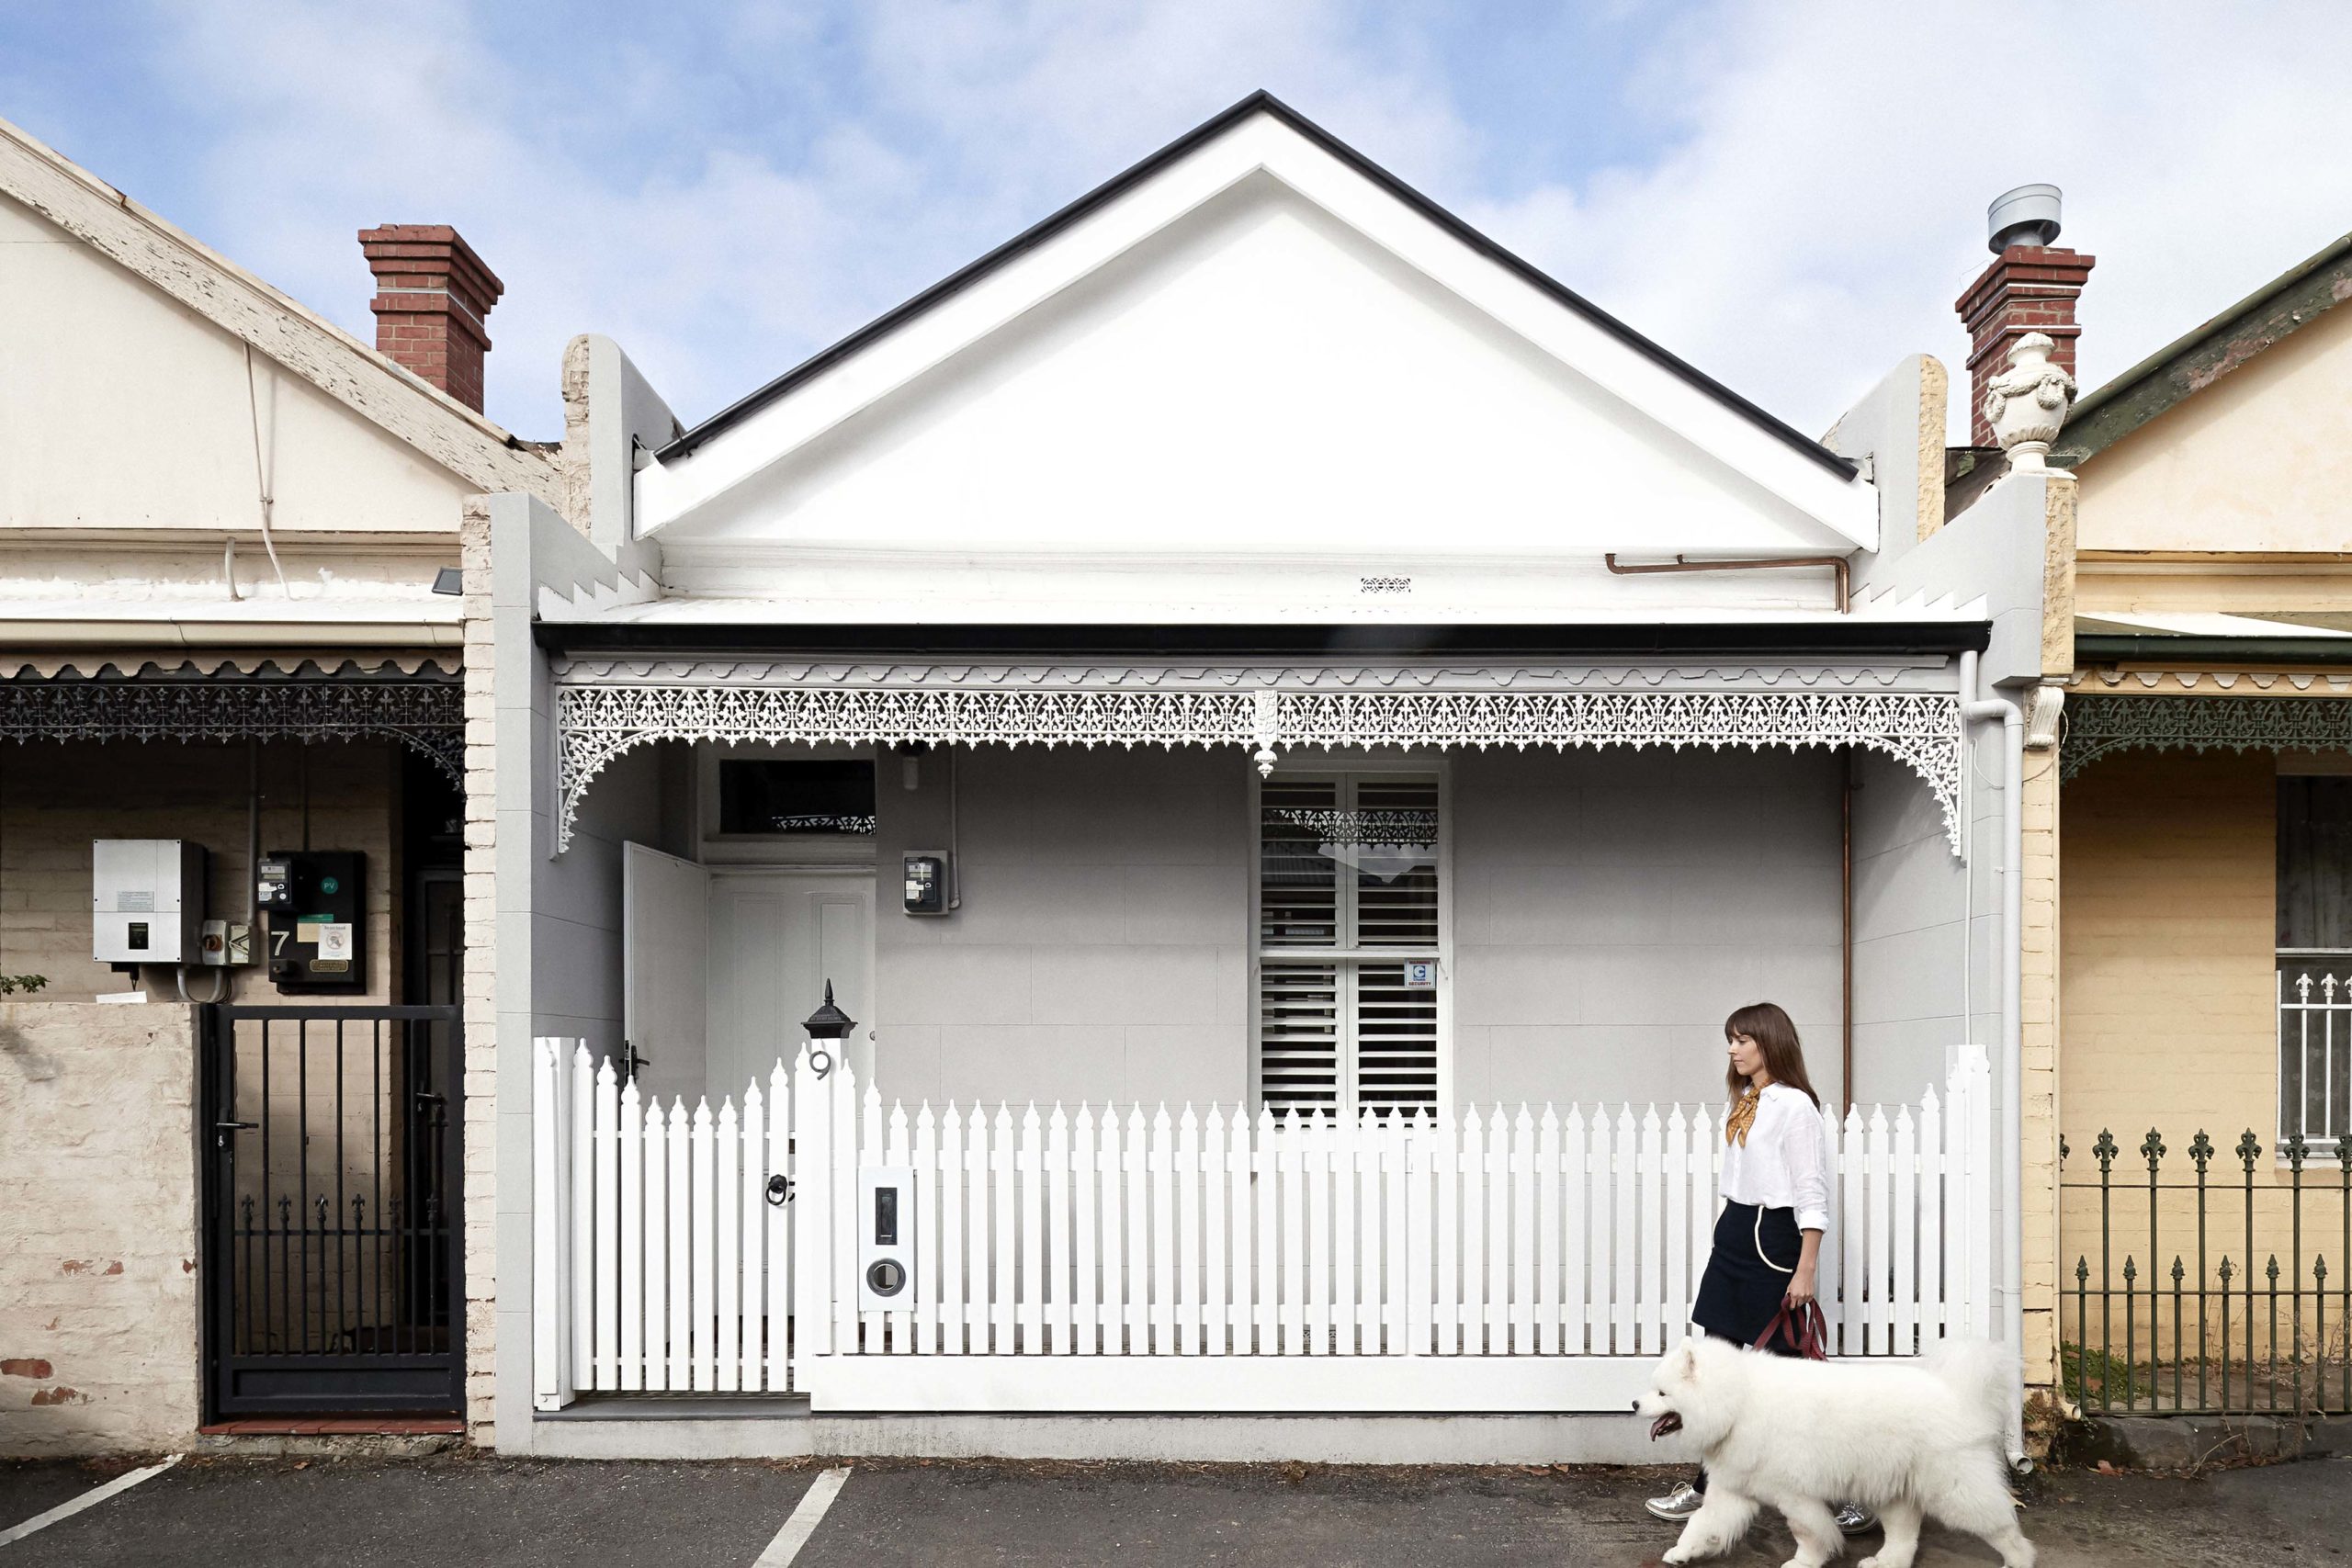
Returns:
<point x="1747" y="1275"/>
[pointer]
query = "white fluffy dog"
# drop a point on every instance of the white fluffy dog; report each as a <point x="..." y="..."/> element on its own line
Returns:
<point x="1907" y="1439"/>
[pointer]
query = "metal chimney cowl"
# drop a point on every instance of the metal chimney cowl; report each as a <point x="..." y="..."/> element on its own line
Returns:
<point x="2026" y="216"/>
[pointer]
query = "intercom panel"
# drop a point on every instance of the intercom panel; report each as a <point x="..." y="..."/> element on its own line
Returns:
<point x="885" y="1238"/>
<point x="316" y="901"/>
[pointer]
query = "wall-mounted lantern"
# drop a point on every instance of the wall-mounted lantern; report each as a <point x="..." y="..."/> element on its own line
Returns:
<point x="827" y="1027"/>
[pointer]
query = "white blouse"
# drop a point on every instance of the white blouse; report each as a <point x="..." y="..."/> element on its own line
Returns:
<point x="1785" y="1162"/>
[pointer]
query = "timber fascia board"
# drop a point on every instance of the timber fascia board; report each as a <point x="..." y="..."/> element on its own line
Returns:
<point x="409" y="409"/>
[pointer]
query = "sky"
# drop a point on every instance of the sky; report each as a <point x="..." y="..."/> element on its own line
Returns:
<point x="1789" y="192"/>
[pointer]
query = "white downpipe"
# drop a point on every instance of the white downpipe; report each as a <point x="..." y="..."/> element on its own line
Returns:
<point x="2008" y="1293"/>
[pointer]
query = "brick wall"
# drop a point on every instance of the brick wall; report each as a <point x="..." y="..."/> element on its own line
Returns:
<point x="99" y="1246"/>
<point x="480" y="988"/>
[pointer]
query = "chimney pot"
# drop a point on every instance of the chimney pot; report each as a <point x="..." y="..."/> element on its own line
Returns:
<point x="433" y="295"/>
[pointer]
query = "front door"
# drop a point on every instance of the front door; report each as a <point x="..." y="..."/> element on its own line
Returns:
<point x="776" y="937"/>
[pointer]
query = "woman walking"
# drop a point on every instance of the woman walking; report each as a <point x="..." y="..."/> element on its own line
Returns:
<point x="1776" y="1205"/>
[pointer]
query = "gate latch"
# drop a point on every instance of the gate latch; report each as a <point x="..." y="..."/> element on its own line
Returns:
<point x="779" y="1191"/>
<point x="220" y="1131"/>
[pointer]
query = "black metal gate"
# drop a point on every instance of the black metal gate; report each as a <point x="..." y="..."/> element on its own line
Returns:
<point x="331" y="1209"/>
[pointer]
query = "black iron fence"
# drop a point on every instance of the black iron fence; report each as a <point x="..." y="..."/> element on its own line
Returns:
<point x="2203" y="1286"/>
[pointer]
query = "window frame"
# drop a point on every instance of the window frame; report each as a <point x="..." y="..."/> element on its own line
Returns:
<point x="2318" y="1152"/>
<point x="782" y="849"/>
<point x="1315" y="766"/>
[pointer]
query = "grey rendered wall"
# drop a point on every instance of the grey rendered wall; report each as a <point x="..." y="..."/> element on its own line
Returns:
<point x="1611" y="909"/>
<point x="1100" y="954"/>
<point x="1910" y="988"/>
<point x="576" y="912"/>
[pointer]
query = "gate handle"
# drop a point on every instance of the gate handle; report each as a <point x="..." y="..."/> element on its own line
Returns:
<point x="222" y="1130"/>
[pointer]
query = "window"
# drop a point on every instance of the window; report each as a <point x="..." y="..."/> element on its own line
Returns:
<point x="766" y="796"/>
<point x="1350" y="892"/>
<point x="2315" y="957"/>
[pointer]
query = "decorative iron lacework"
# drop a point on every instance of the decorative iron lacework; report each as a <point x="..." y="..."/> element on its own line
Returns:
<point x="819" y="822"/>
<point x="595" y="724"/>
<point x="427" y="716"/>
<point x="2099" y="723"/>
<point x="1392" y="826"/>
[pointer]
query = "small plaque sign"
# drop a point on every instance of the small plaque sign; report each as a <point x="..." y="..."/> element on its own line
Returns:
<point x="1420" y="975"/>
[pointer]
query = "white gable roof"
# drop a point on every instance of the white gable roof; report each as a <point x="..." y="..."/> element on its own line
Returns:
<point x="1254" y="345"/>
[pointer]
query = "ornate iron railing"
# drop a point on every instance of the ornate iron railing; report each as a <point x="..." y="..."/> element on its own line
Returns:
<point x="2195" y="1293"/>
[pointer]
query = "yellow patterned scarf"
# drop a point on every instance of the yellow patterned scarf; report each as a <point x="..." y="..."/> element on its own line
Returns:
<point x="1742" y="1117"/>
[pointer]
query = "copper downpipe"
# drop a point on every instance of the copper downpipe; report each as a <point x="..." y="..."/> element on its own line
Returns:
<point x="1838" y="564"/>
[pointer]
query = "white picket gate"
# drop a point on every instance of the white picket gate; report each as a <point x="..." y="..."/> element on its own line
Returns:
<point x="1139" y="1260"/>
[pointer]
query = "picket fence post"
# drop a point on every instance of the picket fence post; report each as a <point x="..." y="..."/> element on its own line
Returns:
<point x="553" y="1255"/>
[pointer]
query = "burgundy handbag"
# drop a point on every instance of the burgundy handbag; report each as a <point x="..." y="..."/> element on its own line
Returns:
<point x="1806" y="1330"/>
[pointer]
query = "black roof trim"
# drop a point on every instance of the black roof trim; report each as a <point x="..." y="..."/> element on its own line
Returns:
<point x="2224" y="652"/>
<point x="1260" y="102"/>
<point x="1645" y="640"/>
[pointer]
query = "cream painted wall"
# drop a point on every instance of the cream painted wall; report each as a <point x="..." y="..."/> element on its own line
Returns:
<point x="2261" y="460"/>
<point x="2169" y="920"/>
<point x="120" y="408"/>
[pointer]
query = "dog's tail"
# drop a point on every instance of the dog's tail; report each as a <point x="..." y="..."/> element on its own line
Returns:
<point x="1984" y="1376"/>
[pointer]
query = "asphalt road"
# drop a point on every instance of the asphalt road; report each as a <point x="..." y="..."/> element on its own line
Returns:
<point x="261" y="1514"/>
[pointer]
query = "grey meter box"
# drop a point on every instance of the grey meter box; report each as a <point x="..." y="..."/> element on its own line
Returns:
<point x="885" y="1238"/>
<point x="146" y="900"/>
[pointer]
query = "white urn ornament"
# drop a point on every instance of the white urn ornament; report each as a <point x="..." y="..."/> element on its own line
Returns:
<point x="2027" y="403"/>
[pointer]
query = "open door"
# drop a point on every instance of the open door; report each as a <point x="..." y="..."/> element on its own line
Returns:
<point x="665" y="964"/>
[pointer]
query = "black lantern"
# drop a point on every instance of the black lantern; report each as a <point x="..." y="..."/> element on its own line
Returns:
<point x="826" y="1026"/>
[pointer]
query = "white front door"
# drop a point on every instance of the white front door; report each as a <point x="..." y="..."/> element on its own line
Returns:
<point x="776" y="937"/>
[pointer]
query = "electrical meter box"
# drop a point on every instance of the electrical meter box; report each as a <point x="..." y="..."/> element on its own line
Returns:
<point x="146" y="900"/>
<point x="926" y="890"/>
<point x="316" y="901"/>
<point x="885" y="1238"/>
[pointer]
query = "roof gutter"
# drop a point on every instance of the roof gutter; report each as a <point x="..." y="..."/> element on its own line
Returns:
<point x="2106" y="648"/>
<point x="1646" y="639"/>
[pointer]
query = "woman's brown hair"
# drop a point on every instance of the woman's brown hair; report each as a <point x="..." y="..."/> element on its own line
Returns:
<point x="1776" y="1036"/>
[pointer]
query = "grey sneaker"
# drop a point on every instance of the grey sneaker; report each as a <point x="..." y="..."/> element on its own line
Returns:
<point x="1678" y="1505"/>
<point x="1855" y="1519"/>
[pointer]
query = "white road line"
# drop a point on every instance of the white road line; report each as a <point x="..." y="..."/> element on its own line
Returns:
<point x="91" y="1498"/>
<point x="803" y="1523"/>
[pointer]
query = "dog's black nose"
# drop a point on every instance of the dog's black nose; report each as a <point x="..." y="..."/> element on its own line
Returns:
<point x="1637" y="1407"/>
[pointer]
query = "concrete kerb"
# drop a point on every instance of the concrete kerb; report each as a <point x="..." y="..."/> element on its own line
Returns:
<point x="2202" y="1442"/>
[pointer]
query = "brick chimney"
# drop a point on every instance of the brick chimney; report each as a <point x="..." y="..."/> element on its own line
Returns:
<point x="2031" y="288"/>
<point x="433" y="293"/>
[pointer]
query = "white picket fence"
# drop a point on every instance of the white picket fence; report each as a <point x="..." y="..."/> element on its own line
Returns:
<point x="1196" y="1259"/>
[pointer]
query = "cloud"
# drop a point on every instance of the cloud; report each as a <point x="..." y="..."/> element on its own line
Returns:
<point x="1788" y="192"/>
<point x="1818" y="201"/>
<point x="611" y="196"/>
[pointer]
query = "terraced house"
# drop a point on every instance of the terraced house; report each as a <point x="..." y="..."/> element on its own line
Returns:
<point x="2204" y="647"/>
<point x="1263" y="736"/>
<point x="231" y="812"/>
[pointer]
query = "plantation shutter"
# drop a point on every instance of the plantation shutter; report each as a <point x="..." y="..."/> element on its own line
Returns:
<point x="1348" y="865"/>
